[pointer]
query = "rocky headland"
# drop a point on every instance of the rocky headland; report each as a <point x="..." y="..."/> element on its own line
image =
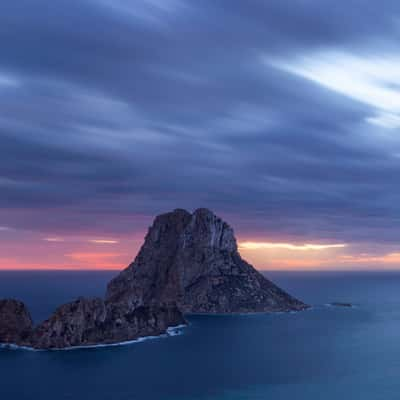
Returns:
<point x="189" y="263"/>
<point x="85" y="322"/>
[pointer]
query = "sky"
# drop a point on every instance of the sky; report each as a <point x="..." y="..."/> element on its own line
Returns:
<point x="283" y="117"/>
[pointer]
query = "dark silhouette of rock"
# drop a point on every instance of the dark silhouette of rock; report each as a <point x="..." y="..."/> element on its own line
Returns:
<point x="340" y="304"/>
<point x="15" y="322"/>
<point x="192" y="259"/>
<point x="188" y="263"/>
<point x="87" y="322"/>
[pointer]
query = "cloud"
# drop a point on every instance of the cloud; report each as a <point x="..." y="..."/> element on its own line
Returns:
<point x="78" y="239"/>
<point x="6" y="80"/>
<point x="177" y="104"/>
<point x="54" y="239"/>
<point x="371" y="79"/>
<point x="385" y="120"/>
<point x="289" y="246"/>
<point x="103" y="241"/>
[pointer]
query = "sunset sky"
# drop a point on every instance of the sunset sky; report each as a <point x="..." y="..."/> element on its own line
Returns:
<point x="283" y="117"/>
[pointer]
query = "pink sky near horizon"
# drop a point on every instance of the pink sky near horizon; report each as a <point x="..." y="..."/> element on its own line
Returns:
<point x="23" y="250"/>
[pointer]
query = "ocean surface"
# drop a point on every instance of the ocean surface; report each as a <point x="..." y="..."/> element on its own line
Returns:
<point x="324" y="353"/>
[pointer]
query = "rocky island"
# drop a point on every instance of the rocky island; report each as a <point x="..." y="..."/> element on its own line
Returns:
<point x="341" y="304"/>
<point x="193" y="261"/>
<point x="189" y="263"/>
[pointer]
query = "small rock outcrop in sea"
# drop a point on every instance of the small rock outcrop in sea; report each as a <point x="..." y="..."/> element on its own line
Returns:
<point x="340" y="304"/>
<point x="193" y="260"/>
<point x="189" y="263"/>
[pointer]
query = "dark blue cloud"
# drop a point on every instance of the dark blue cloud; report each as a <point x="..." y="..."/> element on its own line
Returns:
<point x="114" y="108"/>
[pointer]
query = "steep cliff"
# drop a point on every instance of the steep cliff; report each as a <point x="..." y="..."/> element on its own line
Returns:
<point x="86" y="322"/>
<point x="193" y="260"/>
<point x="15" y="322"/>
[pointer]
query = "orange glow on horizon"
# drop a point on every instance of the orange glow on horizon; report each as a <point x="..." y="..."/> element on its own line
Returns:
<point x="16" y="265"/>
<point x="391" y="258"/>
<point x="74" y="252"/>
<point x="288" y="246"/>
<point x="100" y="260"/>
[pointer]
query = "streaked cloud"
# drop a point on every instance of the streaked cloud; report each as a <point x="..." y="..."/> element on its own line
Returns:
<point x="145" y="11"/>
<point x="369" y="78"/>
<point x="6" y="80"/>
<point x="385" y="120"/>
<point x="79" y="239"/>
<point x="54" y="239"/>
<point x="290" y="112"/>
<point x="289" y="246"/>
<point x="103" y="241"/>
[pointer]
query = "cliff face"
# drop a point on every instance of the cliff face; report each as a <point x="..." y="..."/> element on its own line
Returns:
<point x="15" y="322"/>
<point x="86" y="322"/>
<point x="188" y="263"/>
<point x="72" y="324"/>
<point x="192" y="259"/>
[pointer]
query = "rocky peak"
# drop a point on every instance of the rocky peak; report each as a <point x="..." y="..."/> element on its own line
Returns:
<point x="192" y="259"/>
<point x="167" y="227"/>
<point x="208" y="230"/>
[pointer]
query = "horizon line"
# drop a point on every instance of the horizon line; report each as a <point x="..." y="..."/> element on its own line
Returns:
<point x="260" y="270"/>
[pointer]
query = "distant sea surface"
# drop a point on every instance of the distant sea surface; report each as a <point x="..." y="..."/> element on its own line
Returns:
<point x="325" y="353"/>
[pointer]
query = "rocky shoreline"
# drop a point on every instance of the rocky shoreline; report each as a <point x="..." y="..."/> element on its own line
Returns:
<point x="170" y="332"/>
<point x="189" y="263"/>
<point x="85" y="322"/>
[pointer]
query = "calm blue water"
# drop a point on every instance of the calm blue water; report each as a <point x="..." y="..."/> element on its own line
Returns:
<point x="325" y="353"/>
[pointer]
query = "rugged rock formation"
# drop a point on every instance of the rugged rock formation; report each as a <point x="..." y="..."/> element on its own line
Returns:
<point x="85" y="322"/>
<point x="188" y="263"/>
<point x="92" y="321"/>
<point x="15" y="322"/>
<point x="192" y="259"/>
<point x="72" y="324"/>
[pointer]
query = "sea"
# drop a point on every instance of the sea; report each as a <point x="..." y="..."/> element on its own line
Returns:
<point x="324" y="353"/>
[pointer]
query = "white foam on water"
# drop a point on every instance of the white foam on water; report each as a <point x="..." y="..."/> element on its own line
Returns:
<point x="175" y="330"/>
<point x="12" y="346"/>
